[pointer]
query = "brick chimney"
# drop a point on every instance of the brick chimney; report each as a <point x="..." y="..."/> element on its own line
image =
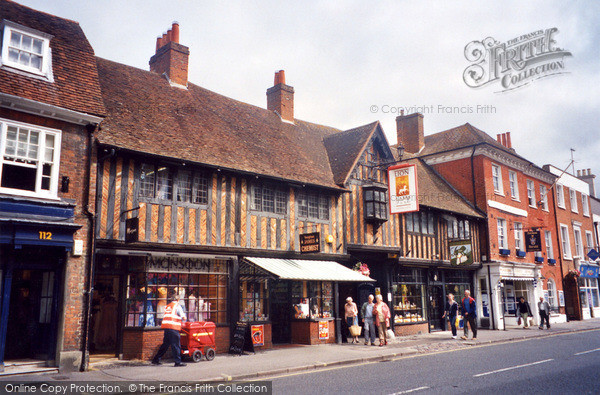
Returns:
<point x="171" y="58"/>
<point x="280" y="97"/>
<point x="410" y="131"/>
<point x="504" y="139"/>
<point x="587" y="176"/>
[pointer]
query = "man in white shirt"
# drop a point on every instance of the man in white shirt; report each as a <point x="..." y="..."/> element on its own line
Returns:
<point x="544" y="309"/>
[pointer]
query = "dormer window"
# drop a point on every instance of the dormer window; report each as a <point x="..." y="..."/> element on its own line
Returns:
<point x="26" y="50"/>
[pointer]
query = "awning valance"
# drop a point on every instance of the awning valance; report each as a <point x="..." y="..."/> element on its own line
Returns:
<point x="300" y="269"/>
<point x="517" y="278"/>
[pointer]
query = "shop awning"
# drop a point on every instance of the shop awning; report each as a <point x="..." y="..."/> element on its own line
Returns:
<point x="300" y="269"/>
<point x="517" y="278"/>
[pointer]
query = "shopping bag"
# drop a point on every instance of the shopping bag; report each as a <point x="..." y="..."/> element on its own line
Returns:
<point x="457" y="322"/>
<point x="355" y="330"/>
<point x="519" y="321"/>
<point x="461" y="323"/>
<point x="390" y="334"/>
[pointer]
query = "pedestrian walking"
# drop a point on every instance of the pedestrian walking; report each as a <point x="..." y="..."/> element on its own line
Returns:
<point x="382" y="315"/>
<point x="451" y="312"/>
<point x="368" y="320"/>
<point x="351" y="315"/>
<point x="171" y="325"/>
<point x="469" y="313"/>
<point x="524" y="311"/>
<point x="544" y="309"/>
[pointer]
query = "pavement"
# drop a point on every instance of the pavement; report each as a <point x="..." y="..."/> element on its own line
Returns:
<point x="293" y="358"/>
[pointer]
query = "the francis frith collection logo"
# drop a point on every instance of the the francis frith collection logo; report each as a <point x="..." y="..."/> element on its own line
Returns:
<point x="515" y="63"/>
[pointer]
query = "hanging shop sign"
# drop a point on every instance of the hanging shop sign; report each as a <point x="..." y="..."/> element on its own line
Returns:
<point x="131" y="230"/>
<point x="593" y="254"/>
<point x="588" y="271"/>
<point x="461" y="252"/>
<point x="310" y="242"/>
<point x="403" y="189"/>
<point x="323" y="330"/>
<point x="258" y="335"/>
<point x="533" y="241"/>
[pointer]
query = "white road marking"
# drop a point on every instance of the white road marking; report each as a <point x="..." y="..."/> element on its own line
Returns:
<point x="512" y="368"/>
<point x="587" y="352"/>
<point x="409" y="391"/>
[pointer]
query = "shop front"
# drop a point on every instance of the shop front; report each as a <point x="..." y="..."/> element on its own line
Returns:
<point x="509" y="282"/>
<point x="130" y="297"/>
<point x="32" y="268"/>
<point x="295" y="300"/>
<point x="588" y="290"/>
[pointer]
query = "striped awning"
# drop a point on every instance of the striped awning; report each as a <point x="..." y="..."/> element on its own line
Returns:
<point x="300" y="269"/>
<point x="517" y="278"/>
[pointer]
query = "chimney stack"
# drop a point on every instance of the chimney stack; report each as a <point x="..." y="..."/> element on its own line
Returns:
<point x="171" y="58"/>
<point x="280" y="97"/>
<point x="508" y="142"/>
<point x="588" y="177"/>
<point x="409" y="129"/>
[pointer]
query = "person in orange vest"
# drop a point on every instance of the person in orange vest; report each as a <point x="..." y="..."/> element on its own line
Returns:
<point x="171" y="325"/>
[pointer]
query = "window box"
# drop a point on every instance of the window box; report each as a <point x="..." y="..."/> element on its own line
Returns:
<point x="551" y="261"/>
<point x="504" y="251"/>
<point x="521" y="254"/>
<point x="539" y="259"/>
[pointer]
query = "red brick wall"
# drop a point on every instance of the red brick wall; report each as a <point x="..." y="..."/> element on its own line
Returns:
<point x="307" y="332"/>
<point x="73" y="164"/>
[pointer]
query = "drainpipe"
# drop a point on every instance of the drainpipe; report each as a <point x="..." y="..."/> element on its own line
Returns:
<point x="473" y="176"/>
<point x="90" y="251"/>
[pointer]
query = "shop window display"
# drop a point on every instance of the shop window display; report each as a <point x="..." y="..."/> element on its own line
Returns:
<point x="312" y="299"/>
<point x="203" y="295"/>
<point x="408" y="291"/>
<point x="254" y="293"/>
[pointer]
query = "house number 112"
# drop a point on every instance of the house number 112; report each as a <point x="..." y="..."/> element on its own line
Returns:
<point x="45" y="235"/>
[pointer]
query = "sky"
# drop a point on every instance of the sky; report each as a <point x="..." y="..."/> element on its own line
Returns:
<point x="355" y="62"/>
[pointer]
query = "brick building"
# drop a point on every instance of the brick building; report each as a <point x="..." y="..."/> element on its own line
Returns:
<point x="50" y="105"/>
<point x="575" y="228"/>
<point x="513" y="192"/>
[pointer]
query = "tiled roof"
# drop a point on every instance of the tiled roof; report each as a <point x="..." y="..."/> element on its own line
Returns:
<point x="435" y="192"/>
<point x="196" y="125"/>
<point x="345" y="148"/>
<point x="75" y="85"/>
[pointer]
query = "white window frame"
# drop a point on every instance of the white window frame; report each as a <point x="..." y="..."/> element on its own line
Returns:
<point x="513" y="182"/>
<point x="45" y="71"/>
<point x="560" y="196"/>
<point x="544" y="197"/>
<point x="578" y="239"/>
<point x="531" y="194"/>
<point x="497" y="179"/>
<point x="566" y="244"/>
<point x="502" y="241"/>
<point x="552" y="293"/>
<point x="585" y="204"/>
<point x="518" y="227"/>
<point x="52" y="193"/>
<point x="573" y="200"/>
<point x="589" y="241"/>
<point x="549" y="249"/>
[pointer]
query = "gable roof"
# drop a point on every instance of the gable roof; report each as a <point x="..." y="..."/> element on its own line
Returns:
<point x="75" y="85"/>
<point x="436" y="192"/>
<point x="196" y="125"/>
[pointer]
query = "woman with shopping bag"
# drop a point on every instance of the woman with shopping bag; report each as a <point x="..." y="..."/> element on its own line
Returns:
<point x="452" y="313"/>
<point x="351" y="315"/>
<point x="382" y="315"/>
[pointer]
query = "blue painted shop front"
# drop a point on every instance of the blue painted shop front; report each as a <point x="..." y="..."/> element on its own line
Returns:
<point x="35" y="238"/>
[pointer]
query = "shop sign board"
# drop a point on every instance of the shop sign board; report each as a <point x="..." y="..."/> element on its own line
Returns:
<point x="402" y="180"/>
<point x="241" y="341"/>
<point x="461" y="252"/>
<point x="310" y="242"/>
<point x="593" y="254"/>
<point x="533" y="241"/>
<point x="169" y="264"/>
<point x="323" y="330"/>
<point x="258" y="335"/>
<point x="131" y="230"/>
<point x="588" y="271"/>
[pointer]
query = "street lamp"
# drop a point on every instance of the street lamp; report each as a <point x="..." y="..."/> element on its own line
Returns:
<point x="400" y="149"/>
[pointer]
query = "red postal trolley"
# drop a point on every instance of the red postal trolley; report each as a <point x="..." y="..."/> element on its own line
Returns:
<point x="198" y="339"/>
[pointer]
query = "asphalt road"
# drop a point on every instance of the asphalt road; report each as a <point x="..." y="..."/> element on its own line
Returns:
<point x="562" y="364"/>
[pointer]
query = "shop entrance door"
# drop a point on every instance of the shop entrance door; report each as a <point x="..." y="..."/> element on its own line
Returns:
<point x="436" y="308"/>
<point x="32" y="314"/>
<point x="281" y="312"/>
<point x="104" y="321"/>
